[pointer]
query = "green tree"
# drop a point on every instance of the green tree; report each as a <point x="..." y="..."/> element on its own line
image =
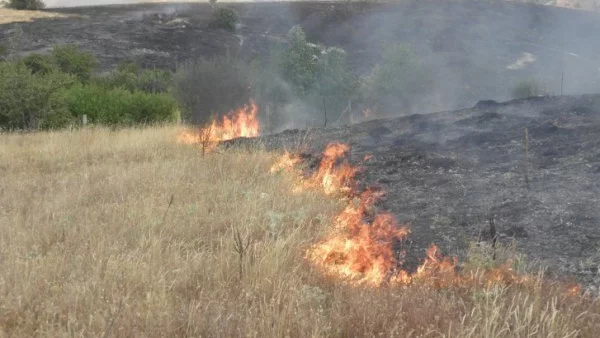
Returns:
<point x="25" y="4"/>
<point x="298" y="63"/>
<point x="398" y="83"/>
<point x="526" y="88"/>
<point x="30" y="100"/>
<point x="335" y="83"/>
<point x="71" y="60"/>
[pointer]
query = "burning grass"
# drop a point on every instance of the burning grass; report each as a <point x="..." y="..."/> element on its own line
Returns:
<point x="130" y="234"/>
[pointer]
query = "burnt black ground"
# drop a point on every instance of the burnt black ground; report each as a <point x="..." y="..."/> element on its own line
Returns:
<point x="468" y="45"/>
<point x="446" y="174"/>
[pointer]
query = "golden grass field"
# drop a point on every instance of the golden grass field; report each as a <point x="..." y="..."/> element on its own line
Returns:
<point x="11" y="16"/>
<point x="89" y="247"/>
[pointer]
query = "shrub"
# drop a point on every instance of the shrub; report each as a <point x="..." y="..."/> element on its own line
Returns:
<point x="225" y="18"/>
<point x="131" y="77"/>
<point x="25" y="4"/>
<point x="30" y="100"/>
<point x="398" y="83"/>
<point x="119" y="106"/>
<point x="39" y="64"/>
<point x="525" y="89"/>
<point x="71" y="60"/>
<point x="209" y="86"/>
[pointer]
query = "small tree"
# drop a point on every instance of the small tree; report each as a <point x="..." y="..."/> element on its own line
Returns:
<point x="298" y="63"/>
<point x="526" y="88"/>
<point x="398" y="83"/>
<point x="225" y="18"/>
<point x="335" y="84"/>
<point x="25" y="4"/>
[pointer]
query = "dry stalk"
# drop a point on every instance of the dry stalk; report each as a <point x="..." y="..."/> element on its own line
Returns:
<point x="205" y="134"/>
<point x="493" y="235"/>
<point x="164" y="218"/>
<point x="240" y="246"/>
<point x="113" y="319"/>
<point x="526" y="165"/>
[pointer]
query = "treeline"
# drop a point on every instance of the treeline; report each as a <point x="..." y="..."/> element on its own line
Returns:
<point x="303" y="81"/>
<point x="57" y="90"/>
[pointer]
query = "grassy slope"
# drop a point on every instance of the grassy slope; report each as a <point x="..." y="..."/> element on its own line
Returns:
<point x="89" y="247"/>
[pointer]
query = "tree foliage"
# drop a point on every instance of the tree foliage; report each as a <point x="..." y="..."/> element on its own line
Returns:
<point x="30" y="100"/>
<point x="25" y="4"/>
<point x="398" y="83"/>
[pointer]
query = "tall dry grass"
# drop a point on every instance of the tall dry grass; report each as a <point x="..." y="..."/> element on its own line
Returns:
<point x="128" y="234"/>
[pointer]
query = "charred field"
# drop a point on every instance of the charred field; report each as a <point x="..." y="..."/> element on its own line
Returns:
<point x="451" y="175"/>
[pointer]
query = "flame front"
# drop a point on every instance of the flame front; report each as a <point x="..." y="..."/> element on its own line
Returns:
<point x="358" y="250"/>
<point x="242" y="122"/>
<point x="361" y="246"/>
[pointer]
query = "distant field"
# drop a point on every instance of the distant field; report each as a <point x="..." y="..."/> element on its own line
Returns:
<point x="11" y="15"/>
<point x="129" y="234"/>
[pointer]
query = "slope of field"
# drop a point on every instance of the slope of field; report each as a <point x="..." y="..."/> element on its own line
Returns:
<point x="128" y="234"/>
<point x="474" y="49"/>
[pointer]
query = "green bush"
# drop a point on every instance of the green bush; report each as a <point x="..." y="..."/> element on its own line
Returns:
<point x="25" y="4"/>
<point x="40" y="64"/>
<point x="71" y="60"/>
<point x="526" y="88"/>
<point x="131" y="77"/>
<point x="398" y="83"/>
<point x="30" y="100"/>
<point x="225" y="18"/>
<point x="211" y="86"/>
<point x="119" y="106"/>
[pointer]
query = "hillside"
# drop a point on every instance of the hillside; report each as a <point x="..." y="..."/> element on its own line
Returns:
<point x="475" y="49"/>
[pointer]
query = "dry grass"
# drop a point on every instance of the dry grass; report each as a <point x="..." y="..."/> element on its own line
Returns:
<point x="8" y="15"/>
<point x="89" y="247"/>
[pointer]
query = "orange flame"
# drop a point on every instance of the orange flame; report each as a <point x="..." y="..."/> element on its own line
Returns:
<point x="242" y="122"/>
<point x="358" y="250"/>
<point x="333" y="176"/>
<point x="286" y="162"/>
<point x="363" y="252"/>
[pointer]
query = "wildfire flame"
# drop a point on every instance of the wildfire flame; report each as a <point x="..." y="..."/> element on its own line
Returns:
<point x="334" y="176"/>
<point x="242" y="122"/>
<point x="361" y="247"/>
<point x="286" y="162"/>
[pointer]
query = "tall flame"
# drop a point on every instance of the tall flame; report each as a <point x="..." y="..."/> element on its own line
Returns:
<point x="242" y="122"/>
